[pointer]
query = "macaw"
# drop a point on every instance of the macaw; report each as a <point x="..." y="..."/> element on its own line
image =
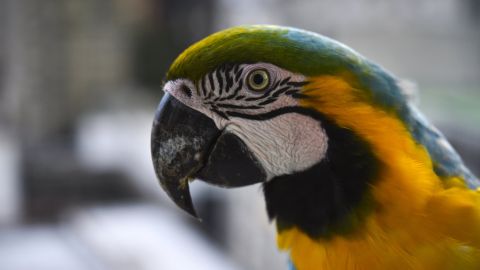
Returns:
<point x="354" y="176"/>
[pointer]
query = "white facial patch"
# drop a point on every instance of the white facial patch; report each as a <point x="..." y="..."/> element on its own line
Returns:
<point x="284" y="143"/>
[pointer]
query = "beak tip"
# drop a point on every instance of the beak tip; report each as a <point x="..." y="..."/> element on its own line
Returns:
<point x="180" y="195"/>
<point x="188" y="207"/>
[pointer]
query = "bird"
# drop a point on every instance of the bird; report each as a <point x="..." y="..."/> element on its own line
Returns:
<point x="354" y="176"/>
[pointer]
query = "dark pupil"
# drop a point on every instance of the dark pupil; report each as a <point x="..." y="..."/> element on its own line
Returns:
<point x="258" y="79"/>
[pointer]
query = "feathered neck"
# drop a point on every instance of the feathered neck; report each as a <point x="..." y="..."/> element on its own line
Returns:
<point x="331" y="197"/>
<point x="419" y="220"/>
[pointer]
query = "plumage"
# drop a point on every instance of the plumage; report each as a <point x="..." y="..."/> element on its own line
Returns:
<point x="422" y="220"/>
<point x="384" y="189"/>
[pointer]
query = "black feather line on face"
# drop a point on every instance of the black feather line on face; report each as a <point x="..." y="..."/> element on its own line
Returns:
<point x="235" y="92"/>
<point x="220" y="113"/>
<point x="238" y="74"/>
<point x="230" y="84"/>
<point x="298" y="84"/>
<point x="233" y="106"/>
<point x="204" y="86"/>
<point x="229" y="80"/>
<point x="219" y="77"/>
<point x="229" y="77"/>
<point x="212" y="85"/>
<point x="298" y="96"/>
<point x="290" y="92"/>
<point x="268" y="101"/>
<point x="285" y="81"/>
<point x="281" y="91"/>
<point x="270" y="114"/>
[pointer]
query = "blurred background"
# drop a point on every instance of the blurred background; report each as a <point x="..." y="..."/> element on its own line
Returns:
<point x="80" y="81"/>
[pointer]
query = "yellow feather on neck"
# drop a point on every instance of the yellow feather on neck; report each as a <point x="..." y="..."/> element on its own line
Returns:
<point x="421" y="222"/>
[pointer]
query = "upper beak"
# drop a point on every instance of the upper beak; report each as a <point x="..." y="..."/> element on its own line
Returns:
<point x="186" y="144"/>
<point x="180" y="140"/>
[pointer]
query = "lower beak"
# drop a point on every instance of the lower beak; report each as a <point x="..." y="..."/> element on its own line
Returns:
<point x="186" y="144"/>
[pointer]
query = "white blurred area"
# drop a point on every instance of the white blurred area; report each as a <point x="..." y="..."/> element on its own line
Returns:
<point x="119" y="237"/>
<point x="79" y="83"/>
<point x="249" y="235"/>
<point x="9" y="180"/>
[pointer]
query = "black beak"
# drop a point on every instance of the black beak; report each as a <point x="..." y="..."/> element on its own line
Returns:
<point x="186" y="144"/>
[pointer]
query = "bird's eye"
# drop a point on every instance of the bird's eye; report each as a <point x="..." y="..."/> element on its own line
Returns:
<point x="258" y="80"/>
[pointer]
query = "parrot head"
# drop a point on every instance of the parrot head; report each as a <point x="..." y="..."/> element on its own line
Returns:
<point x="232" y="113"/>
<point x="289" y="108"/>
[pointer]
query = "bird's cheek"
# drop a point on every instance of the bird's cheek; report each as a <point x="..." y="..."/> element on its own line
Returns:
<point x="284" y="144"/>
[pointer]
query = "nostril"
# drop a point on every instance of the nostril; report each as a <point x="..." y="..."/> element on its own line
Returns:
<point x="186" y="90"/>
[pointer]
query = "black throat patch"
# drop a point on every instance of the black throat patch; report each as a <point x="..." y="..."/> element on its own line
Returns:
<point x="332" y="197"/>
